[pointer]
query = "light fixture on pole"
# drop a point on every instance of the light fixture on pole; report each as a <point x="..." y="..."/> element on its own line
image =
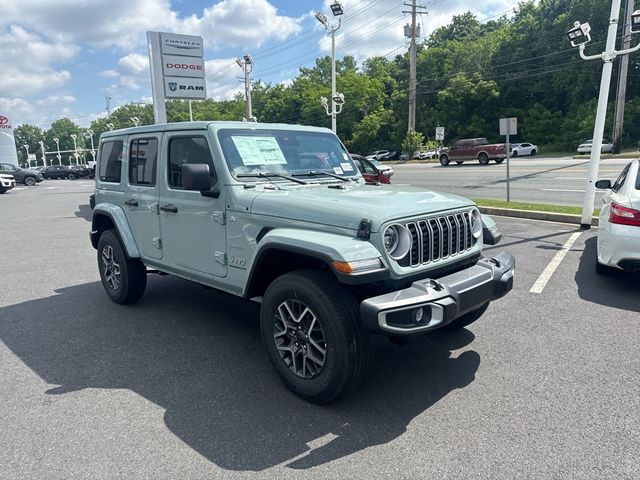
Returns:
<point x="336" y="107"/>
<point x="57" y="140"/>
<point x="135" y="121"/>
<point x="110" y="126"/>
<point x="26" y="147"/>
<point x="93" y="150"/>
<point x="44" y="154"/>
<point x="74" y="137"/>
<point x="579" y="36"/>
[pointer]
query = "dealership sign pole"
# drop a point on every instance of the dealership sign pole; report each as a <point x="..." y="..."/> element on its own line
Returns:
<point x="177" y="70"/>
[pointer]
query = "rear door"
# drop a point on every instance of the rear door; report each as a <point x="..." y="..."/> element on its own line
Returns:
<point x="141" y="202"/>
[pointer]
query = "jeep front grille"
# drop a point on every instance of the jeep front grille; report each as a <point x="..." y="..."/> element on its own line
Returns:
<point x="437" y="238"/>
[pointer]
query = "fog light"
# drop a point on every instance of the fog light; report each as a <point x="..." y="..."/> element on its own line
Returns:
<point x="421" y="316"/>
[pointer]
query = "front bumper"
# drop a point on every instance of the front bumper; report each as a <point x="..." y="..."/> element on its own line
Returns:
<point x="7" y="183"/>
<point x="440" y="300"/>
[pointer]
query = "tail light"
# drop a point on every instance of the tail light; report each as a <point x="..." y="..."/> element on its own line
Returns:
<point x="624" y="215"/>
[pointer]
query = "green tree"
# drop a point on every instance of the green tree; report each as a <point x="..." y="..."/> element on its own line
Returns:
<point x="412" y="142"/>
<point x="30" y="135"/>
<point x="62" y="129"/>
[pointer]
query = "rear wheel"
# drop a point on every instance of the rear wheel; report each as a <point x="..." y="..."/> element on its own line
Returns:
<point x="30" y="181"/>
<point x="467" y="318"/>
<point x="499" y="160"/>
<point x="533" y="152"/>
<point x="123" y="278"/>
<point x="309" y="327"/>
<point x="459" y="162"/>
<point x="444" y="160"/>
<point x="71" y="176"/>
<point x="514" y="153"/>
<point x="483" y="158"/>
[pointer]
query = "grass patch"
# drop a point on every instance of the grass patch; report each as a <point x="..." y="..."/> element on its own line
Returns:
<point x="538" y="207"/>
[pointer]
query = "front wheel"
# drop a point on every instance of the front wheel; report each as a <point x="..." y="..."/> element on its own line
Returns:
<point x="71" y="176"/>
<point x="483" y="158"/>
<point x="309" y="327"/>
<point x="30" y="181"/>
<point x="123" y="278"/>
<point x="444" y="160"/>
<point x="514" y="154"/>
<point x="533" y="152"/>
<point x="467" y="318"/>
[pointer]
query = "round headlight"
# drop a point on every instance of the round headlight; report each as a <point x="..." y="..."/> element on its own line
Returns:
<point x="476" y="223"/>
<point x="397" y="241"/>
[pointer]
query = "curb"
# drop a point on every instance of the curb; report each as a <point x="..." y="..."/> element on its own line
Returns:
<point x="537" y="215"/>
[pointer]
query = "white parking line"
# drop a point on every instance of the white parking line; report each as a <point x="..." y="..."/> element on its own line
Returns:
<point x="546" y="274"/>
<point x="560" y="190"/>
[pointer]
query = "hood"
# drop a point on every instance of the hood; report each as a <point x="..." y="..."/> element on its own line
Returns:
<point x="346" y="207"/>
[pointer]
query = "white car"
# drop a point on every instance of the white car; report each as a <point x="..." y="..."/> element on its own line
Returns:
<point x="385" y="169"/>
<point x="377" y="154"/>
<point x="427" y="154"/>
<point x="522" y="149"/>
<point x="585" y="147"/>
<point x="7" y="182"/>
<point x="619" y="225"/>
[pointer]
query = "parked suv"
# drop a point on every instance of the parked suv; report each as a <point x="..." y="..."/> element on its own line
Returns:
<point x="280" y="215"/>
<point x="27" y="177"/>
<point x="7" y="182"/>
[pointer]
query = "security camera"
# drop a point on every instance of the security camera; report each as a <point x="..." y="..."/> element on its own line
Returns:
<point x="579" y="34"/>
<point x="635" y="21"/>
<point x="339" y="99"/>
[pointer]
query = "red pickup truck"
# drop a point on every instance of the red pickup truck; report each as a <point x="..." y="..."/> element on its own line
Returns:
<point x="473" y="149"/>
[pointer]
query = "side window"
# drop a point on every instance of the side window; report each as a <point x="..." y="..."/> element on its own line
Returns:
<point x="183" y="150"/>
<point x="369" y="168"/>
<point x="638" y="178"/>
<point x="143" y="154"/>
<point x="621" y="179"/>
<point x="110" y="161"/>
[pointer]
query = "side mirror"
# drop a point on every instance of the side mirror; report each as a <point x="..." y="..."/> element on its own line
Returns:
<point x="603" y="184"/>
<point x="196" y="176"/>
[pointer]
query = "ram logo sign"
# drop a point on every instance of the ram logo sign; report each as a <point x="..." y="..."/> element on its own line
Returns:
<point x="185" y="87"/>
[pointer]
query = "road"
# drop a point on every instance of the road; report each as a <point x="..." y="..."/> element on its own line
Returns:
<point x="533" y="179"/>
<point x="545" y="385"/>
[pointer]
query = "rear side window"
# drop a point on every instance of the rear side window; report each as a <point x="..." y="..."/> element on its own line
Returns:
<point x="183" y="150"/>
<point x="110" y="161"/>
<point x="143" y="154"/>
<point x="638" y="177"/>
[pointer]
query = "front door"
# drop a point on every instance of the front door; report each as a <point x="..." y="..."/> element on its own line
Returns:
<point x="141" y="203"/>
<point x="192" y="226"/>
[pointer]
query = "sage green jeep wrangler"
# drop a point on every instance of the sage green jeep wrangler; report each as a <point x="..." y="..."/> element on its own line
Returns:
<point x="279" y="214"/>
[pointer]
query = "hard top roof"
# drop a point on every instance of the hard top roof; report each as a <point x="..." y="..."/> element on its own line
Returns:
<point x="203" y="125"/>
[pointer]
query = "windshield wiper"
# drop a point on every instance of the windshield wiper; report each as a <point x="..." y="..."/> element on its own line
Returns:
<point x="313" y="173"/>
<point x="272" y="174"/>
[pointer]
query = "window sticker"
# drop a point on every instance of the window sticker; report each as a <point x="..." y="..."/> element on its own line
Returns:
<point x="346" y="166"/>
<point x="337" y="170"/>
<point x="259" y="150"/>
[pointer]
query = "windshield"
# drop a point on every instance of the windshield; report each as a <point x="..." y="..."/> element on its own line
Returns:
<point x="283" y="152"/>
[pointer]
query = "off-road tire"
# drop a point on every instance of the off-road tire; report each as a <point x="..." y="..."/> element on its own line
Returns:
<point x="483" y="158"/>
<point x="466" y="319"/>
<point x="30" y="181"/>
<point x="345" y="344"/>
<point x="131" y="273"/>
<point x="444" y="160"/>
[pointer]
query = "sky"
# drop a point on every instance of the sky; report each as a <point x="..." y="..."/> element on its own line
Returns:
<point x="62" y="58"/>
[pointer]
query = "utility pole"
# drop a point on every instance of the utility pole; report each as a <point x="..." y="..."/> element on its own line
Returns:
<point x="337" y="99"/>
<point x="107" y="99"/>
<point x="621" y="91"/>
<point x="412" y="32"/>
<point x="247" y="66"/>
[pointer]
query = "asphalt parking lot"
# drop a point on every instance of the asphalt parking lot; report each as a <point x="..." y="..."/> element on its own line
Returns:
<point x="545" y="385"/>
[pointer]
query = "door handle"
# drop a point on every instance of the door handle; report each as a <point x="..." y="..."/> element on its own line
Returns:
<point x="131" y="203"/>
<point x="169" y="208"/>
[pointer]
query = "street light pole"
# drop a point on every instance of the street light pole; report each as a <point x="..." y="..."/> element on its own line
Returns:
<point x="26" y="147"/>
<point x="337" y="99"/>
<point x="75" y="146"/>
<point x="93" y="150"/>
<point x="44" y="156"/>
<point x="579" y="36"/>
<point x="57" y="140"/>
